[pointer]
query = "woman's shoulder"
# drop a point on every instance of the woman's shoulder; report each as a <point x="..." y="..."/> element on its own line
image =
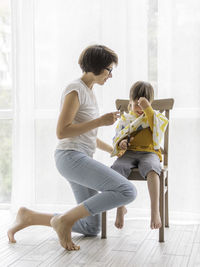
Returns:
<point x="73" y="86"/>
<point x="77" y="86"/>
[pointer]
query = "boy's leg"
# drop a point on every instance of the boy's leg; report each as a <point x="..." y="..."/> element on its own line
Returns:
<point x="154" y="192"/>
<point x="119" y="221"/>
<point x="150" y="168"/>
<point x="123" y="165"/>
<point x="26" y="217"/>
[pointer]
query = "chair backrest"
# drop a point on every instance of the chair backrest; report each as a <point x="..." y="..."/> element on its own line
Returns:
<point x="163" y="105"/>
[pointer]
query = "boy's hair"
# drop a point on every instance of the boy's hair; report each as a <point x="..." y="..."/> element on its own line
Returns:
<point x="142" y="89"/>
<point x="96" y="58"/>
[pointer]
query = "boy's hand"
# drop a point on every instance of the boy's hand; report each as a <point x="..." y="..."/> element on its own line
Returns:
<point x="143" y="103"/>
<point x="124" y="143"/>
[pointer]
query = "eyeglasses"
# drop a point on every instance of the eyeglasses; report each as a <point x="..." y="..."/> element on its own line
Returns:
<point x="109" y="70"/>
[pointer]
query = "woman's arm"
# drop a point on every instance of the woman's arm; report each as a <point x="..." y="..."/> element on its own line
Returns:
<point x="103" y="146"/>
<point x="65" y="127"/>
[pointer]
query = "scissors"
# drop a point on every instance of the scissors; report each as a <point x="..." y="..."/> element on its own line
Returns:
<point x="129" y="135"/>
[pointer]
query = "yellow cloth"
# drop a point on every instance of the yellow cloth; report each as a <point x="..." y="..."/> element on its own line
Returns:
<point x="147" y="130"/>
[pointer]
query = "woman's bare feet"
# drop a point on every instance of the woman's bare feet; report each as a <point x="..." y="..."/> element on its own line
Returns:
<point x="23" y="219"/>
<point x="119" y="222"/>
<point x="63" y="227"/>
<point x="155" y="220"/>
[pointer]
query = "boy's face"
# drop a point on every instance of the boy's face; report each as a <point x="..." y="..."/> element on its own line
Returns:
<point x="135" y="107"/>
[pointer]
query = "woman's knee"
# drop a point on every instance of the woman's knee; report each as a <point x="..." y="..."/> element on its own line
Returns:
<point x="129" y="192"/>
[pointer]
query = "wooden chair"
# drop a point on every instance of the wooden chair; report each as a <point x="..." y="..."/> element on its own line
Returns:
<point x="163" y="105"/>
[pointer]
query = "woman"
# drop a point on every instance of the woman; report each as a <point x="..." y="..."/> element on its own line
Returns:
<point x="77" y="133"/>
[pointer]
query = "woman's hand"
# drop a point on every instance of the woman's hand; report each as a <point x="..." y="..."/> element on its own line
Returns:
<point x="143" y="103"/>
<point x="109" y="118"/>
<point x="124" y="143"/>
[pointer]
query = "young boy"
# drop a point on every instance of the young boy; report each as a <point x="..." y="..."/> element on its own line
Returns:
<point x="137" y="143"/>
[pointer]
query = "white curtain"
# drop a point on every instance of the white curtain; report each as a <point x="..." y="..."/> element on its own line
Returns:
<point x="48" y="37"/>
<point x="179" y="77"/>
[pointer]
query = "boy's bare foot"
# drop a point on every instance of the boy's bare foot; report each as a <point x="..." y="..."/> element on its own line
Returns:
<point x="23" y="219"/>
<point x="119" y="222"/>
<point x="63" y="229"/>
<point x="155" y="220"/>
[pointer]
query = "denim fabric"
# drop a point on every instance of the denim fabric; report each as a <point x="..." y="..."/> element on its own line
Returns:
<point x="96" y="186"/>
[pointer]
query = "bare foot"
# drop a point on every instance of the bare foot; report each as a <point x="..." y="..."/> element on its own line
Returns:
<point x="63" y="230"/>
<point x="22" y="220"/>
<point x="155" y="220"/>
<point x="119" y="222"/>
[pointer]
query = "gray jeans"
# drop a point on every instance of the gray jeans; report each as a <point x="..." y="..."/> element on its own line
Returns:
<point x="96" y="186"/>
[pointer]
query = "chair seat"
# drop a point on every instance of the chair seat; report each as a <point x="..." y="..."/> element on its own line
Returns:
<point x="135" y="174"/>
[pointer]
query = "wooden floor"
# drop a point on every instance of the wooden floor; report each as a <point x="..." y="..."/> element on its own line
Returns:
<point x="134" y="246"/>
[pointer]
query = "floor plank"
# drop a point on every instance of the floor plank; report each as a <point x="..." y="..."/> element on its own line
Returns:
<point x="133" y="246"/>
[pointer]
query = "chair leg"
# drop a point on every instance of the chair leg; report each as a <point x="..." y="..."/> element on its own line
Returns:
<point x="103" y="225"/>
<point x="166" y="205"/>
<point x="162" y="208"/>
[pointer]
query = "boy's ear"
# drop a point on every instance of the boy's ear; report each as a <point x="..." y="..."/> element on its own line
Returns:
<point x="130" y="105"/>
<point x="151" y="100"/>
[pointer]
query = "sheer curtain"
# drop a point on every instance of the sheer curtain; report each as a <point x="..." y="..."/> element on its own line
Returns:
<point x="48" y="38"/>
<point x="179" y="77"/>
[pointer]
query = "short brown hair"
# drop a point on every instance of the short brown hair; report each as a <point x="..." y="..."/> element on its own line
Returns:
<point x="142" y="89"/>
<point x="95" y="58"/>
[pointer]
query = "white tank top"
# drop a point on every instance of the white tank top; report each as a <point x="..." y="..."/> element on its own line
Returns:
<point x="87" y="111"/>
